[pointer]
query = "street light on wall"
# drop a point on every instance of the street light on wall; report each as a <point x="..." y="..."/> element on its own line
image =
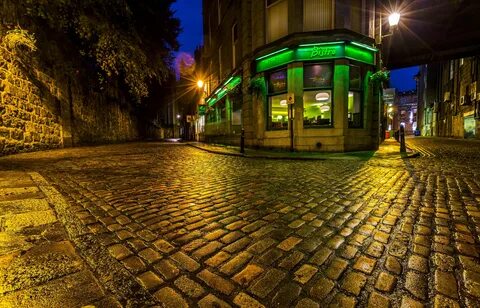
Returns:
<point x="393" y="21"/>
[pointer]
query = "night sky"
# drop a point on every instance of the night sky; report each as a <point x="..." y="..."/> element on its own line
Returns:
<point x="190" y="14"/>
<point x="402" y="79"/>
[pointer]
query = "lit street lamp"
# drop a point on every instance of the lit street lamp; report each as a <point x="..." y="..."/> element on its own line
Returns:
<point x="393" y="20"/>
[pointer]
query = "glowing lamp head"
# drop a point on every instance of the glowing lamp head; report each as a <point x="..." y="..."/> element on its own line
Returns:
<point x="200" y="84"/>
<point x="393" y="19"/>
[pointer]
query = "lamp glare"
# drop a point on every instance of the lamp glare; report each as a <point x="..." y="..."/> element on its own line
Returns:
<point x="393" y="19"/>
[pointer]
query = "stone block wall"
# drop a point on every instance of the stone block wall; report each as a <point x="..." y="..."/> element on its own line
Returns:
<point x="44" y="107"/>
<point x="26" y="122"/>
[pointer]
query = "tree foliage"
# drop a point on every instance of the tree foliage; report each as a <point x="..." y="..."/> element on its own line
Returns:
<point x="129" y="40"/>
<point x="18" y="38"/>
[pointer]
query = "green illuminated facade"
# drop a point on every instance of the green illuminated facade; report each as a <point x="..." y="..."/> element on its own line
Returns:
<point x="288" y="88"/>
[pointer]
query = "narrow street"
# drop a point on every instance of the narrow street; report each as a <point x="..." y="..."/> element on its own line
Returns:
<point x="194" y="228"/>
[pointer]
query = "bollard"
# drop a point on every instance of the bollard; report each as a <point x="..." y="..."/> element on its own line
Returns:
<point x="403" y="149"/>
<point x="242" y="141"/>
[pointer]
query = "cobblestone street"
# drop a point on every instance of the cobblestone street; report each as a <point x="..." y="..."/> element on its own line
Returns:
<point x="195" y="228"/>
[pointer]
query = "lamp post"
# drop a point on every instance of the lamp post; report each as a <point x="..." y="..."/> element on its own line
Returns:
<point x="393" y="20"/>
<point x="200" y="120"/>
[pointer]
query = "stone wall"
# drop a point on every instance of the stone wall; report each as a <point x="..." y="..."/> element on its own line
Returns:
<point x="45" y="106"/>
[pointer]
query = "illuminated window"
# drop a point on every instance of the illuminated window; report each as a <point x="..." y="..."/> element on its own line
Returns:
<point x="317" y="15"/>
<point x="234" y="45"/>
<point x="317" y="108"/>
<point x="237" y="111"/>
<point x="277" y="100"/>
<point x="317" y="95"/>
<point x="355" y="108"/>
<point x="277" y="19"/>
<point x="317" y="76"/>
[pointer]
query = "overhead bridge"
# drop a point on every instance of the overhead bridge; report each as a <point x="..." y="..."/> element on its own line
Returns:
<point x="431" y="31"/>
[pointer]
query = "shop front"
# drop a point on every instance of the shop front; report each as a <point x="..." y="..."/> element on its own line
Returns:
<point x="316" y="97"/>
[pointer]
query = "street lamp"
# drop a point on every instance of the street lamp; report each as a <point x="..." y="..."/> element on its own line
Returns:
<point x="200" y="84"/>
<point x="393" y="20"/>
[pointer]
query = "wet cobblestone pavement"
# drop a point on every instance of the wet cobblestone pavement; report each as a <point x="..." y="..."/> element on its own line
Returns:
<point x="207" y="230"/>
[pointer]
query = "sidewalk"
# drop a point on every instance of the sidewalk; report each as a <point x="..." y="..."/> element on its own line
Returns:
<point x="39" y="266"/>
<point x="389" y="149"/>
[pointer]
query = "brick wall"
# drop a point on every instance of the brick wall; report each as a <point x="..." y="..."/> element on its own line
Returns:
<point x="44" y="106"/>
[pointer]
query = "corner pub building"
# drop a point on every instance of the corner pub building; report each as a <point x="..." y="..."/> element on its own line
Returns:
<point x="294" y="74"/>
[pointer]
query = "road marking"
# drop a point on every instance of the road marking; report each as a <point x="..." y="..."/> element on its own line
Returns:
<point x="423" y="151"/>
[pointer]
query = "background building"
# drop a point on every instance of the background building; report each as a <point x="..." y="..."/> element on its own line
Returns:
<point x="451" y="102"/>
<point x="406" y="111"/>
<point x="291" y="73"/>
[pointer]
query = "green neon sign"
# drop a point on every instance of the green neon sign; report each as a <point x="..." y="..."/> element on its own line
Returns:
<point x="321" y="51"/>
<point x="360" y="54"/>
<point x="223" y="90"/>
<point x="274" y="60"/>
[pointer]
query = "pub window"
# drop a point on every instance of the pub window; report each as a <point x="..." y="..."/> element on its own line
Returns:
<point x="317" y="95"/>
<point x="277" y="100"/>
<point x="211" y="115"/>
<point x="277" y="19"/>
<point x="355" y="107"/>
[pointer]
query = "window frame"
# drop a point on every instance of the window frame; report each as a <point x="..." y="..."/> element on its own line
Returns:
<point x="332" y="18"/>
<point x="312" y="89"/>
<point x="268" y="38"/>
<point x="273" y="94"/>
<point x="360" y="92"/>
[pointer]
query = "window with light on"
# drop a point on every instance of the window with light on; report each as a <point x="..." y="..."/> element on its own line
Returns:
<point x="277" y="100"/>
<point x="317" y="95"/>
<point x="355" y="108"/>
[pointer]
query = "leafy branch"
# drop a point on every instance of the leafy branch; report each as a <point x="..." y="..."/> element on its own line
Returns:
<point x="18" y="38"/>
<point x="378" y="78"/>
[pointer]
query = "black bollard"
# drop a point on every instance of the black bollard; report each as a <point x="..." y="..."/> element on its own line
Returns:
<point x="242" y="141"/>
<point x="403" y="149"/>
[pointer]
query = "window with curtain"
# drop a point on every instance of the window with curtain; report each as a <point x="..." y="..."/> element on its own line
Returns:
<point x="355" y="107"/>
<point x="317" y="15"/>
<point x="277" y="19"/>
<point x="277" y="100"/>
<point x="317" y="95"/>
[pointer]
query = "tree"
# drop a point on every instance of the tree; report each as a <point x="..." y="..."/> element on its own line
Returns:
<point x="128" y="40"/>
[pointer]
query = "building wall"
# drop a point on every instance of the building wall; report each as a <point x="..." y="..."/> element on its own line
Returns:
<point x="450" y="105"/>
<point x="406" y="110"/>
<point x="254" y="42"/>
<point x="42" y="106"/>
